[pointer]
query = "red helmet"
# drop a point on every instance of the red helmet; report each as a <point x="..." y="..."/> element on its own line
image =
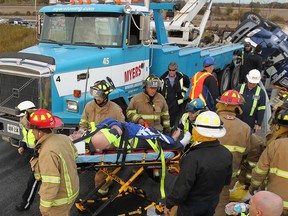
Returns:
<point x="42" y="118"/>
<point x="231" y="97"/>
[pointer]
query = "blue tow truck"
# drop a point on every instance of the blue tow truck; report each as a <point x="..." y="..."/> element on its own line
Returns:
<point x="82" y="43"/>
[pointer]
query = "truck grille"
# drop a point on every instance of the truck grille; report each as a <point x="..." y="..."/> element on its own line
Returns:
<point x="15" y="89"/>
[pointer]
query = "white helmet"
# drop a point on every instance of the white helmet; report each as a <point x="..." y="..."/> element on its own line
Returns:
<point x="254" y="76"/>
<point x="208" y="124"/>
<point x="22" y="107"/>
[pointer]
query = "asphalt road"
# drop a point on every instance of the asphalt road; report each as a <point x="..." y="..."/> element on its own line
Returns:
<point x="14" y="172"/>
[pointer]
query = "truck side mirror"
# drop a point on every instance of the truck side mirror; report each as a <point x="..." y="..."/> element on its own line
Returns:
<point x="39" y="24"/>
<point x="145" y="28"/>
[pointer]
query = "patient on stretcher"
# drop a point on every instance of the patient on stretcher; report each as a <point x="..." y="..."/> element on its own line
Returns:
<point x="112" y="134"/>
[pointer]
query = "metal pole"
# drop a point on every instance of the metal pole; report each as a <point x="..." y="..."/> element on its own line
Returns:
<point x="239" y="11"/>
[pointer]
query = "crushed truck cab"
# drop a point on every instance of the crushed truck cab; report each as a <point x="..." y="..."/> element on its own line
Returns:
<point x="80" y="44"/>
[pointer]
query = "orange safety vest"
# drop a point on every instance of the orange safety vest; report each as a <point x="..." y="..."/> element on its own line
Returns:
<point x="197" y="85"/>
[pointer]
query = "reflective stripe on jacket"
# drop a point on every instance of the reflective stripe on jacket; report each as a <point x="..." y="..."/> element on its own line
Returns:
<point x="155" y="113"/>
<point x="236" y="139"/>
<point x="273" y="166"/>
<point x="56" y="168"/>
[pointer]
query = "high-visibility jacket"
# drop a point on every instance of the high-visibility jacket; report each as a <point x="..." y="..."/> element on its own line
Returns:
<point x="254" y="106"/>
<point x="28" y="137"/>
<point x="197" y="85"/>
<point x="55" y="166"/>
<point x="154" y="112"/>
<point x="273" y="166"/>
<point x="187" y="125"/>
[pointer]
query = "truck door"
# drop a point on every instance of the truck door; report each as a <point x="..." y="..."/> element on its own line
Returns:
<point x="135" y="56"/>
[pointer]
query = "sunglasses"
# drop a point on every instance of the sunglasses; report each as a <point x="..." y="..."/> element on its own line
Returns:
<point x="172" y="69"/>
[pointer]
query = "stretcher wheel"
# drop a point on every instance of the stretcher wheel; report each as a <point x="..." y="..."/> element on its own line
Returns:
<point x="159" y="209"/>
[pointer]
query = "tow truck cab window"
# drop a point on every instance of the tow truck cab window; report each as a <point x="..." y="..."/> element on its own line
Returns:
<point x="99" y="29"/>
<point x="134" y="30"/>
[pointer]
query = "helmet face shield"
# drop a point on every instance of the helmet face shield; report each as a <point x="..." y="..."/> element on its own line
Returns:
<point x="95" y="93"/>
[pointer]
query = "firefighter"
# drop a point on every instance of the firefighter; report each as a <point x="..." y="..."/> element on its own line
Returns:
<point x="255" y="101"/>
<point x="53" y="164"/>
<point x="175" y="86"/>
<point x="96" y="111"/>
<point x="272" y="167"/>
<point x="205" y="84"/>
<point x="205" y="169"/>
<point x="236" y="139"/>
<point x="150" y="106"/>
<point x="26" y="144"/>
<point x="100" y="108"/>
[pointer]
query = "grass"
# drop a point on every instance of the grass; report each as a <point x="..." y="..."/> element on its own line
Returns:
<point x="15" y="38"/>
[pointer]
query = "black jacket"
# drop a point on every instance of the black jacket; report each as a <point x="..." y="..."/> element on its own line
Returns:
<point x="174" y="96"/>
<point x="204" y="171"/>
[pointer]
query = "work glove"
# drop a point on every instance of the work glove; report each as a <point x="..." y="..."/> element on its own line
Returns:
<point x="186" y="139"/>
<point x="246" y="197"/>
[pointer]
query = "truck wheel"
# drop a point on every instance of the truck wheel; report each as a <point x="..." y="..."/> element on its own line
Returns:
<point x="224" y="80"/>
<point x="253" y="17"/>
<point x="235" y="77"/>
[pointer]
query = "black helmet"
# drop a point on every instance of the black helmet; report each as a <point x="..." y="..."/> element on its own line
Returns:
<point x="100" y="89"/>
<point x="282" y="118"/>
<point x="152" y="81"/>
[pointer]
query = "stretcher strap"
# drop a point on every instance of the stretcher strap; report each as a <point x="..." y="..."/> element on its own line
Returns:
<point x="155" y="146"/>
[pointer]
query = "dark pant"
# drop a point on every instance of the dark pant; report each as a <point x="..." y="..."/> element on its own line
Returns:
<point x="205" y="208"/>
<point x="30" y="191"/>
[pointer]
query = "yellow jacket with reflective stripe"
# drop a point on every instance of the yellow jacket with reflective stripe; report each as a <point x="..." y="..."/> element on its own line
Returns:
<point x="28" y="137"/>
<point x="236" y="139"/>
<point x="273" y="164"/>
<point x="156" y="114"/>
<point x="57" y="170"/>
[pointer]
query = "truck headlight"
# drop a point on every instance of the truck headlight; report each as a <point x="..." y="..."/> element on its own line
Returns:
<point x="72" y="105"/>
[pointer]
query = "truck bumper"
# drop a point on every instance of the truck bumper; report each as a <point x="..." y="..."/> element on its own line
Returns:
<point x="10" y="131"/>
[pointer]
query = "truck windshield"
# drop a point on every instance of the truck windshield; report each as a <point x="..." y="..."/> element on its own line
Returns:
<point x="99" y="29"/>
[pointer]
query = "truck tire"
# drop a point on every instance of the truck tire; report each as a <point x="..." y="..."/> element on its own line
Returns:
<point x="224" y="80"/>
<point x="235" y="77"/>
<point x="253" y="17"/>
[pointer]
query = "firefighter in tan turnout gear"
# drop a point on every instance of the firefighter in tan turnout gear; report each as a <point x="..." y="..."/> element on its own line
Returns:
<point x="236" y="139"/>
<point x="272" y="167"/>
<point x="96" y="111"/>
<point x="54" y="164"/>
<point x="150" y="106"/>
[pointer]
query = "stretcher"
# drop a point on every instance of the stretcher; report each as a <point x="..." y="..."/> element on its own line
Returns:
<point x="115" y="160"/>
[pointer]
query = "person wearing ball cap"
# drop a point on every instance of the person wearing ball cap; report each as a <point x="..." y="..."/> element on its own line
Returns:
<point x="205" y="84"/>
<point x="255" y="100"/>
<point x="204" y="170"/>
